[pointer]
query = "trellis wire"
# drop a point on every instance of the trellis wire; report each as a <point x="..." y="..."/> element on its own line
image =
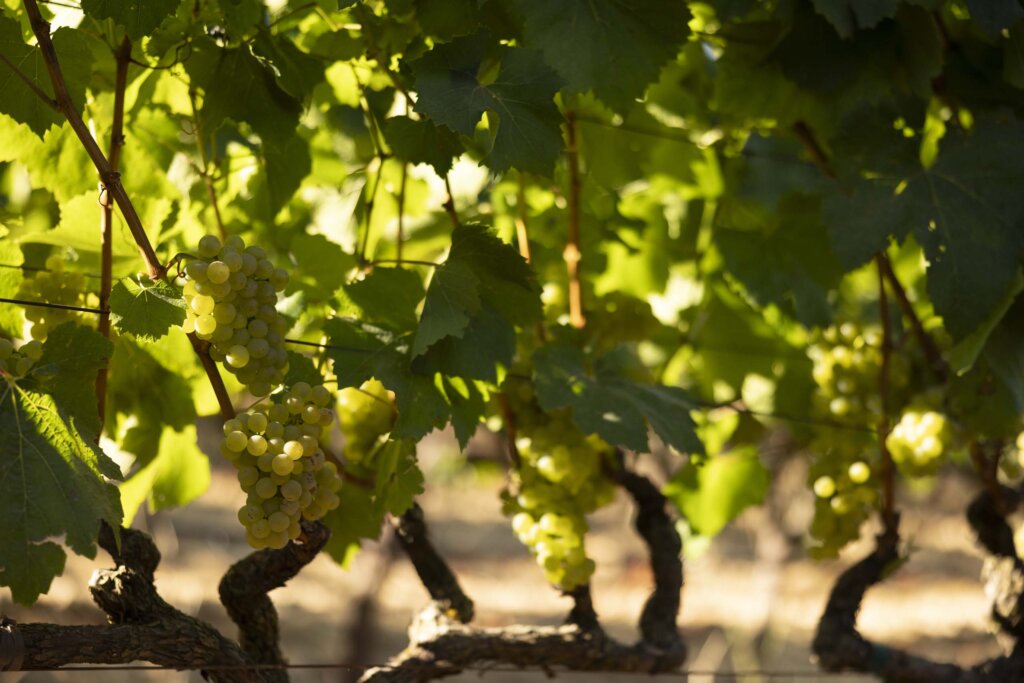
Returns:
<point x="800" y="419"/>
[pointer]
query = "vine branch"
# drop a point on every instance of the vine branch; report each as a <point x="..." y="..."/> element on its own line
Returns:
<point x="572" y="253"/>
<point x="928" y="345"/>
<point x="122" y="58"/>
<point x="449" y="202"/>
<point x="109" y="176"/>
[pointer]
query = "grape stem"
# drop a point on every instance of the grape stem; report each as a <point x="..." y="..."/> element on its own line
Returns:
<point x="449" y="202"/>
<point x="889" y="516"/>
<point x="572" y="253"/>
<point x="109" y="176"/>
<point x="928" y="345"/>
<point x="122" y="57"/>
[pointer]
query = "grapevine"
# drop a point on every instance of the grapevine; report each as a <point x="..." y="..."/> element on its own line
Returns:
<point x="280" y="463"/>
<point x="230" y="294"/>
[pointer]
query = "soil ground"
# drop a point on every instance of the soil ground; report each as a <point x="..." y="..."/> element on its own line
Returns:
<point x="750" y="603"/>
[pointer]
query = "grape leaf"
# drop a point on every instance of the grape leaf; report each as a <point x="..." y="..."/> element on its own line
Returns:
<point x="787" y="262"/>
<point x="611" y="405"/>
<point x="296" y="72"/>
<point x="144" y="308"/>
<point x="179" y="474"/>
<point x="322" y="265"/>
<point x="474" y="353"/>
<point x="617" y="47"/>
<point x="849" y="15"/>
<point x="138" y="17"/>
<point x="286" y="165"/>
<point x="357" y="517"/>
<point x="712" y="494"/>
<point x="468" y="405"/>
<point x="72" y="355"/>
<point x="966" y="211"/>
<point x="302" y="369"/>
<point x="421" y="142"/>
<point x="20" y="102"/>
<point x="452" y="298"/>
<point x="452" y="94"/>
<point x="11" y="317"/>
<point x="51" y="485"/>
<point x="480" y="270"/>
<point x="387" y="296"/>
<point x="399" y="479"/>
<point x="448" y="19"/>
<point x="237" y="86"/>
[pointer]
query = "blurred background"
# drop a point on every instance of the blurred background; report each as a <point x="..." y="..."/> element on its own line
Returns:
<point x="750" y="604"/>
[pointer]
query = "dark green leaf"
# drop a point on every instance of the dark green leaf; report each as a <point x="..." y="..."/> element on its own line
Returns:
<point x="138" y="17"/>
<point x="993" y="16"/>
<point x="19" y="101"/>
<point x="322" y="265"/>
<point x="421" y="142"/>
<point x="451" y="93"/>
<point x="849" y="15"/>
<point x="613" y="47"/>
<point x="387" y="296"/>
<point x="51" y="485"/>
<point x="452" y="298"/>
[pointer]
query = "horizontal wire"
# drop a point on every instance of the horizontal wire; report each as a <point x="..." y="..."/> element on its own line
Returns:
<point x="832" y="424"/>
<point x="34" y="269"/>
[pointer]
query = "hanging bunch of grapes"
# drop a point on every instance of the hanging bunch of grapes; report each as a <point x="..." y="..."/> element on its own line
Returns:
<point x="281" y="465"/>
<point x="55" y="285"/>
<point x="365" y="414"/>
<point x="231" y="297"/>
<point x="557" y="482"/>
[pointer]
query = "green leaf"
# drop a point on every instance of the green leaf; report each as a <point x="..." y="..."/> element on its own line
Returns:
<point x="11" y="317"/>
<point x="966" y="211"/>
<point x="387" y="296"/>
<point x="51" y="485"/>
<point x="788" y="262"/>
<point x="452" y="94"/>
<point x="72" y="356"/>
<point x="447" y="19"/>
<point x="487" y="341"/>
<point x="138" y="17"/>
<point x="179" y="474"/>
<point x="713" y="494"/>
<point x="296" y="72"/>
<point x="849" y="15"/>
<point x="399" y="479"/>
<point x="421" y="142"/>
<point x="468" y="406"/>
<point x="963" y="355"/>
<point x="144" y="308"/>
<point x="286" y="166"/>
<point x="1013" y="56"/>
<point x="357" y="517"/>
<point x="613" y="47"/>
<point x="19" y="101"/>
<point x="611" y="405"/>
<point x="239" y="87"/>
<point x="452" y="298"/>
<point x="480" y="272"/>
<point x="322" y="265"/>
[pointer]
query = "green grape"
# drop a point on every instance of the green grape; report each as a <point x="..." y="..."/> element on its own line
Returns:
<point x="235" y="441"/>
<point x="824" y="487"/>
<point x="365" y="414"/>
<point x="859" y="472"/>
<point x="918" y="440"/>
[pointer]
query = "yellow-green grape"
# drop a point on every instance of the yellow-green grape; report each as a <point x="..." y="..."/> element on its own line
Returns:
<point x="54" y="285"/>
<point x="824" y="487"/>
<point x="287" y="480"/>
<point x="230" y="302"/>
<point x="364" y="414"/>
<point x="859" y="472"/>
<point x="918" y="441"/>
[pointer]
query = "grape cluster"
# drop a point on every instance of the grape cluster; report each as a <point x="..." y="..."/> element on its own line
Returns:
<point x="558" y="481"/>
<point x="56" y="286"/>
<point x="918" y="441"/>
<point x="364" y="414"/>
<point x="18" y="362"/>
<point x="276" y="450"/>
<point x="231" y="296"/>
<point x="846" y="367"/>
